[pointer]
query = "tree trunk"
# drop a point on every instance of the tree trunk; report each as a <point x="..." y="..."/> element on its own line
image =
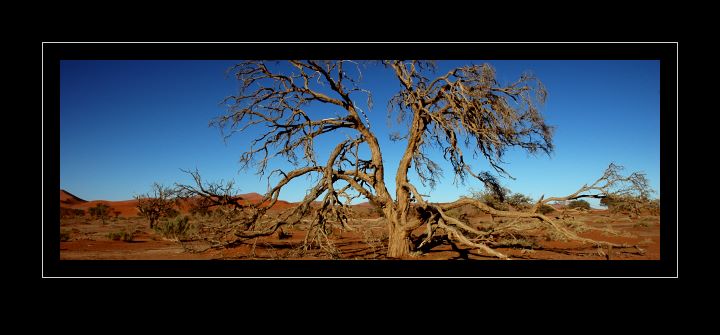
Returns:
<point x="399" y="242"/>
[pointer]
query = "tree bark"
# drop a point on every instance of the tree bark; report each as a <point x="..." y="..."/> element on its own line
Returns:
<point x="399" y="242"/>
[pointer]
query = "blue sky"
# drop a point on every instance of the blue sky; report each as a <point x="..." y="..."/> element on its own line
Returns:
<point x="127" y="124"/>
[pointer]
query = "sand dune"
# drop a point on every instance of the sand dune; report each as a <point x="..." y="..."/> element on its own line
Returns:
<point x="128" y="208"/>
<point x="68" y="198"/>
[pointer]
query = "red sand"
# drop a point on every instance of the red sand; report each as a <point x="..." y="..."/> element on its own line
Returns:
<point x="68" y="198"/>
<point x="88" y="238"/>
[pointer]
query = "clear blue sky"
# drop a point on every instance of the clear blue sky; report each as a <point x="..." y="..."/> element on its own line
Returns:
<point x="127" y="124"/>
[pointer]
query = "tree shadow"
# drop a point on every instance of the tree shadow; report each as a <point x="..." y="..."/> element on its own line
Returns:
<point x="439" y="240"/>
<point x="463" y="254"/>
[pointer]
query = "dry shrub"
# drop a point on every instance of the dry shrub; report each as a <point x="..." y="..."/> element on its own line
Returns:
<point x="177" y="229"/>
<point x="579" y="204"/>
<point x="100" y="211"/>
<point x="517" y="242"/>
<point x="123" y="235"/>
<point x="377" y="241"/>
<point x="64" y="235"/>
<point x="546" y="209"/>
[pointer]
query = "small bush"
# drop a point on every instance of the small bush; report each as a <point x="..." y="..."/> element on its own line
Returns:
<point x="644" y="223"/>
<point x="493" y="201"/>
<point x="176" y="229"/>
<point x="172" y="213"/>
<point x="545" y="209"/>
<point x="519" y="201"/>
<point x="376" y="240"/>
<point x="554" y="235"/>
<point x="201" y="212"/>
<point x="579" y="204"/>
<point x="575" y="226"/>
<point x="502" y="199"/>
<point x="100" y="211"/>
<point x="65" y="236"/>
<point x="604" y="222"/>
<point x="125" y="236"/>
<point x="517" y="243"/>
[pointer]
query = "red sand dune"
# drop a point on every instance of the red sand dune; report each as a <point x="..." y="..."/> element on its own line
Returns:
<point x="68" y="198"/>
<point x="254" y="197"/>
<point x="365" y="204"/>
<point x="128" y="208"/>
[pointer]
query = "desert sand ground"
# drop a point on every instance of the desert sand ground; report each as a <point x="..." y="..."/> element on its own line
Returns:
<point x="85" y="238"/>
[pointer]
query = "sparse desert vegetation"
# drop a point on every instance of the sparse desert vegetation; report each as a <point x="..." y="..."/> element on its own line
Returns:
<point x="100" y="212"/>
<point x="579" y="204"/>
<point x="123" y="235"/>
<point x="195" y="236"/>
<point x="177" y="228"/>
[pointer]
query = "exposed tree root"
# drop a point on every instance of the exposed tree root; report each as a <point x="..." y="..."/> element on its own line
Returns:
<point x="458" y="236"/>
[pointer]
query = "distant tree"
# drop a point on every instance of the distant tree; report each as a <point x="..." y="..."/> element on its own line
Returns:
<point x="631" y="204"/>
<point x="579" y="204"/>
<point x="160" y="202"/>
<point x="502" y="198"/>
<point x="221" y="200"/>
<point x="100" y="211"/>
<point x="495" y="197"/>
<point x="519" y="201"/>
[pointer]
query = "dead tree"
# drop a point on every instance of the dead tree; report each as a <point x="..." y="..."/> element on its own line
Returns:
<point x="463" y="111"/>
<point x="100" y="211"/>
<point x="222" y="198"/>
<point x="631" y="204"/>
<point x="160" y="202"/>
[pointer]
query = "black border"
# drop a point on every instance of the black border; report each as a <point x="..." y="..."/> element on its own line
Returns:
<point x="54" y="52"/>
<point x="360" y="50"/>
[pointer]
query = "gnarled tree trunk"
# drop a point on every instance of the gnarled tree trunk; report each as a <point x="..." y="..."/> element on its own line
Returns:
<point x="399" y="242"/>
